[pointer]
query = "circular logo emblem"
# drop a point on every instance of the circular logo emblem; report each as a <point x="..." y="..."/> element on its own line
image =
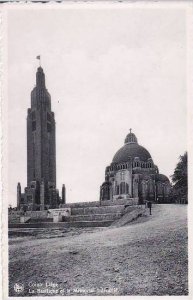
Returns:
<point x="18" y="287"/>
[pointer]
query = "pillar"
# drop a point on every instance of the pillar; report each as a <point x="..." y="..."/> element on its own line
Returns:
<point x="63" y="194"/>
<point x="42" y="195"/>
<point x="18" y="195"/>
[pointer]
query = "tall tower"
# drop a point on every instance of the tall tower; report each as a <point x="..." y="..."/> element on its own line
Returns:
<point x="41" y="192"/>
<point x="41" y="145"/>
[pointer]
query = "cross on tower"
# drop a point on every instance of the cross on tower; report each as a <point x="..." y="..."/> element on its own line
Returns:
<point x="130" y="130"/>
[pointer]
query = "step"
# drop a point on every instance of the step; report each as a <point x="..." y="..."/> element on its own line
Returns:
<point x="129" y="201"/>
<point x="79" y="224"/>
<point x="81" y="204"/>
<point x="89" y="223"/>
<point x="97" y="210"/>
<point x="40" y="220"/>
<point x="93" y="217"/>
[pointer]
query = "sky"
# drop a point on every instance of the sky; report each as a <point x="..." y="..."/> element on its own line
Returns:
<point x="107" y="69"/>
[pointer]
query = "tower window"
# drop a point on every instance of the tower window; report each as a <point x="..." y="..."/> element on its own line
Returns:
<point x="33" y="125"/>
<point x="33" y="115"/>
<point x="48" y="117"/>
<point x="49" y="127"/>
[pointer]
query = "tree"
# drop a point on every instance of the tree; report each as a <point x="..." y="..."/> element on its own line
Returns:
<point x="180" y="180"/>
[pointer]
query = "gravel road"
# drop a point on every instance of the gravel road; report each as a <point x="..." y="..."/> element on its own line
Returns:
<point x="147" y="257"/>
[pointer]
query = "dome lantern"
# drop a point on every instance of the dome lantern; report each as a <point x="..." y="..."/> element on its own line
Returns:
<point x="130" y="138"/>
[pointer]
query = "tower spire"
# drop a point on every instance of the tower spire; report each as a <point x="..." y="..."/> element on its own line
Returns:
<point x="40" y="78"/>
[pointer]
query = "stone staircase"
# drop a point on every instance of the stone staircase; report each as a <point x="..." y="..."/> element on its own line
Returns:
<point x="97" y="210"/>
<point x="86" y="214"/>
<point x="94" y="215"/>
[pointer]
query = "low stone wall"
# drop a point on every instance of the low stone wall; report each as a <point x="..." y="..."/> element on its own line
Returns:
<point x="81" y="204"/>
<point x="43" y="220"/>
<point x="79" y="224"/>
<point x="14" y="219"/>
<point x="129" y="216"/>
<point x="93" y="217"/>
<point x="17" y="215"/>
<point x="97" y="210"/>
<point x="130" y="201"/>
<point x="37" y="214"/>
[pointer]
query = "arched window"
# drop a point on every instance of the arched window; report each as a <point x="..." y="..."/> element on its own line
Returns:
<point x="117" y="190"/>
<point x="126" y="188"/>
<point x="122" y="188"/>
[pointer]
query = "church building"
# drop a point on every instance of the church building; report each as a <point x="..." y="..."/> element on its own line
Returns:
<point x="41" y="192"/>
<point x="133" y="174"/>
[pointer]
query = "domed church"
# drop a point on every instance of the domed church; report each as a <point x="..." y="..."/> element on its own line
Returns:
<point x="133" y="174"/>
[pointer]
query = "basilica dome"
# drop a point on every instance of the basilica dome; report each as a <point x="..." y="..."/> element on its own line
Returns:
<point x="131" y="149"/>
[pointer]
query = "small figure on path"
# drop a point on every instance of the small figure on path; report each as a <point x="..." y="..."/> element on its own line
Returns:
<point x="149" y="205"/>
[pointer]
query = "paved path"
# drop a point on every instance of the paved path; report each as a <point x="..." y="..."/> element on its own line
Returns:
<point x="148" y="257"/>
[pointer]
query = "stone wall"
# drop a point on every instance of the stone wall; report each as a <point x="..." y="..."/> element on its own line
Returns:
<point x="81" y="204"/>
<point x="130" y="201"/>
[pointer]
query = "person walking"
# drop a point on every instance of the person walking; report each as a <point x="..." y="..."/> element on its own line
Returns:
<point x="149" y="205"/>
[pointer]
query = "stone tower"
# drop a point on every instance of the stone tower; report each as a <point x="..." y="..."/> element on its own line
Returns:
<point x="41" y="145"/>
<point x="41" y="192"/>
